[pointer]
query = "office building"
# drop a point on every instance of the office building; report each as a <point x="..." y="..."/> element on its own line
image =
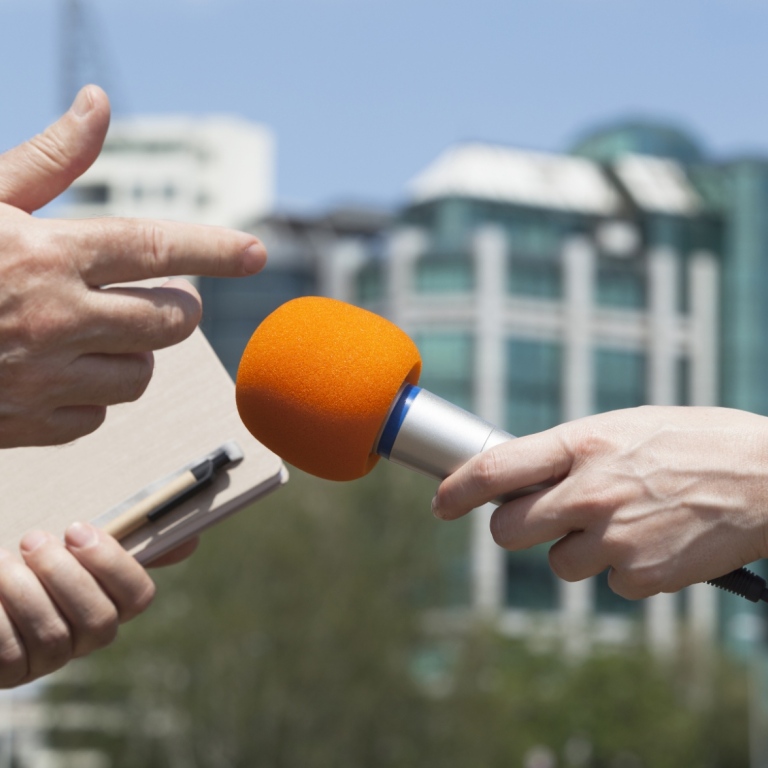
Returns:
<point x="215" y="169"/>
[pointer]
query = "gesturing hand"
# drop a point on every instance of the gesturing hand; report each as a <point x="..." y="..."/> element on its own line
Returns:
<point x="664" y="497"/>
<point x="70" y="345"/>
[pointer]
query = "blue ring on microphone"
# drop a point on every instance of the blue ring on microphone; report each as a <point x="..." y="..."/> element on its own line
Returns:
<point x="396" y="419"/>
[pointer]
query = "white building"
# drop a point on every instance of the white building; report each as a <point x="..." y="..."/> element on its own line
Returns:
<point x="210" y="169"/>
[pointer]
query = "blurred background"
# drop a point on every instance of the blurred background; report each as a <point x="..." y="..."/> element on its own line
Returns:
<point x="563" y="203"/>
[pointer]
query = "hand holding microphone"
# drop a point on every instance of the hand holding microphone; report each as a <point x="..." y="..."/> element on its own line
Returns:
<point x="664" y="497"/>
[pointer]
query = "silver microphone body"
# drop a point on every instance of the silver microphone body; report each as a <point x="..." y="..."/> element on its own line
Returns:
<point x="431" y="436"/>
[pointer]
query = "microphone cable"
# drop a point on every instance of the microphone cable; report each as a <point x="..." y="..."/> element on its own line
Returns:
<point x="744" y="583"/>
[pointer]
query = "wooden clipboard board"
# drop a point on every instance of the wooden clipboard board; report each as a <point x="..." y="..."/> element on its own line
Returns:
<point x="187" y="411"/>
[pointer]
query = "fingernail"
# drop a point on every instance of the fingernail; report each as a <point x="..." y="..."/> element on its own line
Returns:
<point x="81" y="535"/>
<point x="254" y="258"/>
<point x="32" y="540"/>
<point x="83" y="103"/>
<point x="436" y="508"/>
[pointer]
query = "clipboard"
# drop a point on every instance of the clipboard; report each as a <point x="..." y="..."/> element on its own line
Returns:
<point x="187" y="412"/>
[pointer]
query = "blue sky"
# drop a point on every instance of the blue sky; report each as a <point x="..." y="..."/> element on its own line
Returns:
<point x="362" y="94"/>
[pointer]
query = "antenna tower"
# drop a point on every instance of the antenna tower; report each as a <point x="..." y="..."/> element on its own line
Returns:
<point x="82" y="53"/>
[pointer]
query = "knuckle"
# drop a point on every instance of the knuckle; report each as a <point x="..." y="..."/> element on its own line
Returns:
<point x="485" y="470"/>
<point x="41" y="327"/>
<point x="47" y="309"/>
<point x="562" y="563"/>
<point x="49" y="150"/>
<point x="101" y="628"/>
<point x="591" y="439"/>
<point x="158" y="250"/>
<point x="55" y="644"/>
<point x="176" y="323"/>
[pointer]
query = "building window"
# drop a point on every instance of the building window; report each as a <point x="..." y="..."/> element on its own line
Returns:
<point x="539" y="236"/>
<point x="621" y="283"/>
<point x="444" y="274"/>
<point x="669" y="231"/>
<point x="536" y="277"/>
<point x="447" y="364"/>
<point x="533" y="375"/>
<point x="91" y="194"/>
<point x="369" y="282"/>
<point x="529" y="581"/>
<point x="452" y="224"/>
<point x="620" y="377"/>
<point x="607" y="601"/>
<point x="234" y="308"/>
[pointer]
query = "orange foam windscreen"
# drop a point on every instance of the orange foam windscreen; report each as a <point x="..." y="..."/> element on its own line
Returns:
<point x="316" y="382"/>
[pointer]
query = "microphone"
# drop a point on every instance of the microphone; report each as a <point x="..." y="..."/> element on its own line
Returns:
<point x="331" y="387"/>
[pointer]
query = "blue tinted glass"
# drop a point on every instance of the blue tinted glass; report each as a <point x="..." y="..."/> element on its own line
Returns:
<point x="540" y="278"/>
<point x="533" y="385"/>
<point x="444" y="274"/>
<point x="370" y="282"/>
<point x="234" y="308"/>
<point x="607" y="601"/>
<point x="530" y="582"/>
<point x="621" y="283"/>
<point x="447" y="365"/>
<point x="620" y="379"/>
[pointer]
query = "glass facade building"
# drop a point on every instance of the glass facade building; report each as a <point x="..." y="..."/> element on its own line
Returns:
<point x="541" y="288"/>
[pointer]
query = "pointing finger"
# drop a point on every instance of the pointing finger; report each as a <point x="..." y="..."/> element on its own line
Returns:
<point x="117" y="250"/>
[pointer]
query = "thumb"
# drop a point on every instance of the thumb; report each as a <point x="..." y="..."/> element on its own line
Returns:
<point x="34" y="173"/>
